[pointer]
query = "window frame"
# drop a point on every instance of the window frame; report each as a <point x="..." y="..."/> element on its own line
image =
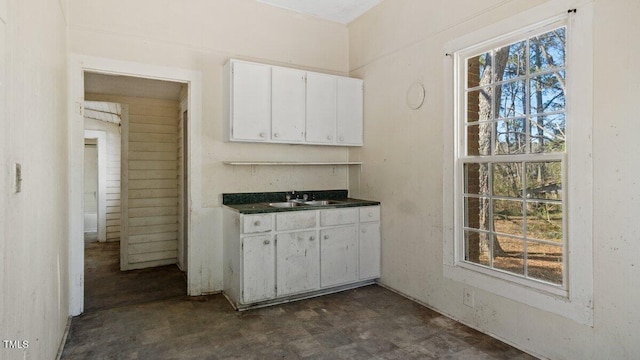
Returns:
<point x="460" y="67"/>
<point x="575" y="301"/>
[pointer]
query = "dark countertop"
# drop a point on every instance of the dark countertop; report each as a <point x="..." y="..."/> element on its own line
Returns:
<point x="258" y="203"/>
<point x="259" y="208"/>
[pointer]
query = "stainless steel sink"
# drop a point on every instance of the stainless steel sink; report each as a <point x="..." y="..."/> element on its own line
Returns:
<point x="321" y="202"/>
<point x="286" y="204"/>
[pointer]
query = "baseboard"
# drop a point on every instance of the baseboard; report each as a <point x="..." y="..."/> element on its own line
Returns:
<point x="65" y="335"/>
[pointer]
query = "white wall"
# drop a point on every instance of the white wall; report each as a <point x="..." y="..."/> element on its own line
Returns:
<point x="33" y="232"/>
<point x="403" y="41"/>
<point x="202" y="37"/>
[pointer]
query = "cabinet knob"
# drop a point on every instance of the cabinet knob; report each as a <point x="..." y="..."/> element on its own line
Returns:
<point x="256" y="223"/>
<point x="267" y="242"/>
<point x="262" y="134"/>
<point x="341" y="138"/>
<point x="311" y="238"/>
<point x="370" y="214"/>
<point x="326" y="237"/>
<point x="276" y="135"/>
<point x="329" y="137"/>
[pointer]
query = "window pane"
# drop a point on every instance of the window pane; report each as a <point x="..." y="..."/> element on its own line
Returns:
<point x="508" y="254"/>
<point x="476" y="247"/>
<point x="511" y="137"/>
<point x="510" y="61"/>
<point x="476" y="178"/>
<point x="507" y="217"/>
<point x="548" y="133"/>
<point x="476" y="214"/>
<point x="544" y="262"/>
<point x="547" y="51"/>
<point x="544" y="221"/>
<point x="511" y="96"/>
<point x="479" y="139"/>
<point x="547" y="93"/>
<point x="544" y="180"/>
<point x="479" y="105"/>
<point x="478" y="69"/>
<point x="507" y="179"/>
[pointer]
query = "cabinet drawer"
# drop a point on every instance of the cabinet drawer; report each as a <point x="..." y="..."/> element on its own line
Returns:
<point x="256" y="224"/>
<point x="296" y="220"/>
<point x="369" y="213"/>
<point x="338" y="217"/>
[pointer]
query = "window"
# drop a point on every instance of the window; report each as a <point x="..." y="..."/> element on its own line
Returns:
<point x="513" y="137"/>
<point x="517" y="157"/>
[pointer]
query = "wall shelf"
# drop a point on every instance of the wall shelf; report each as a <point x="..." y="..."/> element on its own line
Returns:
<point x="290" y="163"/>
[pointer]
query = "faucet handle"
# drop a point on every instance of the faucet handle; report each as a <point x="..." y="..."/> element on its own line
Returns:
<point x="305" y="197"/>
<point x="288" y="197"/>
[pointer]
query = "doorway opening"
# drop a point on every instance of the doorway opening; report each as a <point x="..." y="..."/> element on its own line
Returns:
<point x="200" y="276"/>
<point x="143" y="256"/>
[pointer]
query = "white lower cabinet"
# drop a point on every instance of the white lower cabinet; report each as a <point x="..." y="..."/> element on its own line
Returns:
<point x="258" y="276"/>
<point x="338" y="256"/>
<point x="274" y="257"/>
<point x="298" y="262"/>
<point x="369" y="251"/>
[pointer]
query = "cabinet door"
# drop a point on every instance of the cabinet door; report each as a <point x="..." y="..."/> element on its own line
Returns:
<point x="251" y="102"/>
<point x="288" y="98"/>
<point x="298" y="262"/>
<point x="369" y="250"/>
<point x="349" y="111"/>
<point x="338" y="256"/>
<point x="258" y="264"/>
<point x="321" y="108"/>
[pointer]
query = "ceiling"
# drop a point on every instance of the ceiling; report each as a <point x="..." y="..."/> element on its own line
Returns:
<point x="342" y="11"/>
<point x="131" y="86"/>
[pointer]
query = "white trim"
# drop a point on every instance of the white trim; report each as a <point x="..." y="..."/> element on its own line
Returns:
<point x="124" y="188"/>
<point x="578" y="192"/>
<point x="101" y="144"/>
<point x="77" y="66"/>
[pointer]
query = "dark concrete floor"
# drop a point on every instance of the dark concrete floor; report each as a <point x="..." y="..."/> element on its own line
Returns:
<point x="365" y="323"/>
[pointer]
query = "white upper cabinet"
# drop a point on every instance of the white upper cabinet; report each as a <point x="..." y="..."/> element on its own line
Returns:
<point x="264" y="103"/>
<point x="321" y="108"/>
<point x="349" y="109"/>
<point x="288" y="96"/>
<point x="250" y="101"/>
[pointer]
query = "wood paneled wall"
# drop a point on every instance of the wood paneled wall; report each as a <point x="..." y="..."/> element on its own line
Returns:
<point x="152" y="167"/>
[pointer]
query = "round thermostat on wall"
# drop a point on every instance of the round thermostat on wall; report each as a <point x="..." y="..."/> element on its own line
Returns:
<point x="415" y="96"/>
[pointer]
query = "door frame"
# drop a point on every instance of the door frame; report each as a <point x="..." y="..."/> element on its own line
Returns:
<point x="101" y="143"/>
<point x="78" y="65"/>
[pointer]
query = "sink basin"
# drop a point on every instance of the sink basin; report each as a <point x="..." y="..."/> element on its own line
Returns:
<point x="321" y="202"/>
<point x="286" y="204"/>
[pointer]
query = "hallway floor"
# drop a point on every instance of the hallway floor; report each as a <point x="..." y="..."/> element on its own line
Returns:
<point x="365" y="323"/>
<point x="105" y="286"/>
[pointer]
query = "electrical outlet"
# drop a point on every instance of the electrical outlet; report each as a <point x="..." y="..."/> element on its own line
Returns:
<point x="468" y="298"/>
